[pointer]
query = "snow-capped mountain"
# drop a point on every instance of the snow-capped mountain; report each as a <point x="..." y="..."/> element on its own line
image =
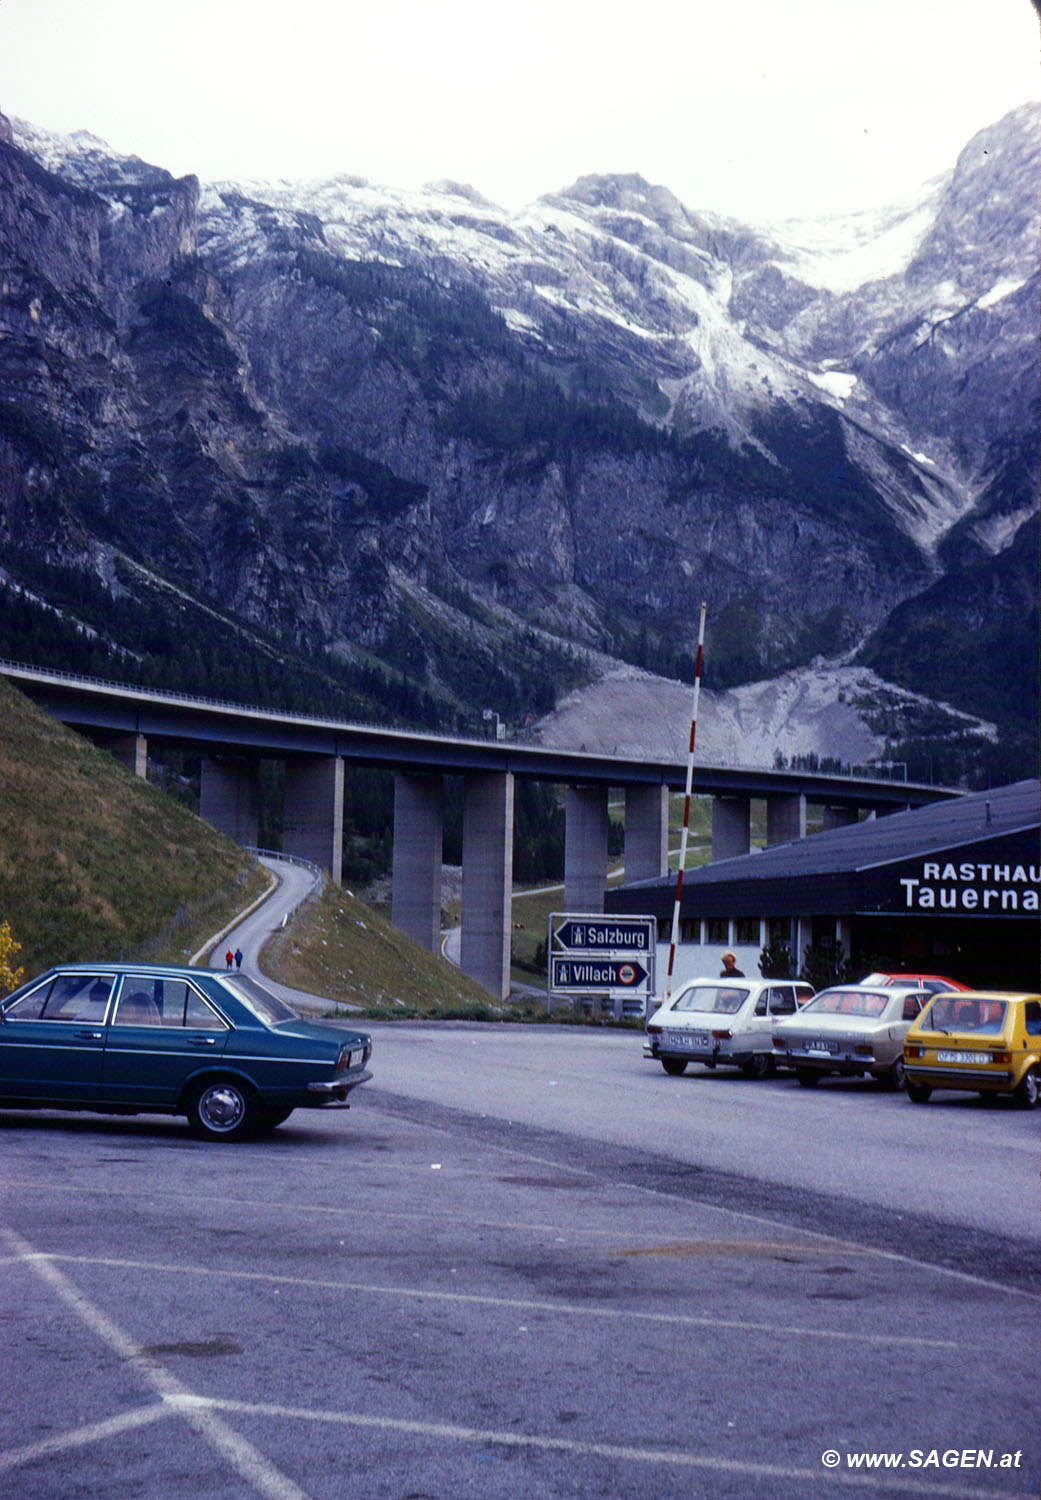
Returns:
<point x="404" y="421"/>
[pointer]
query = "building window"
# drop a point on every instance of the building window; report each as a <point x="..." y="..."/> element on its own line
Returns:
<point x="690" y="930"/>
<point x="717" y="930"/>
<point x="746" y="930"/>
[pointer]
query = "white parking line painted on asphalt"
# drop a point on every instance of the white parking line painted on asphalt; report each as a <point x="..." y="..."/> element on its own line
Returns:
<point x="671" y="1319"/>
<point x="80" y="1437"/>
<point x="577" y="1448"/>
<point x="247" y="1461"/>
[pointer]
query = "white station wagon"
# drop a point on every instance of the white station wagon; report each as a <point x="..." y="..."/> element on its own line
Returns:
<point x="850" y="1029"/>
<point x="714" y="1021"/>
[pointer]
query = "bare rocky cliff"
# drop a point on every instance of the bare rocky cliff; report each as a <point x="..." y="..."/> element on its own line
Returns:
<point x="471" y="444"/>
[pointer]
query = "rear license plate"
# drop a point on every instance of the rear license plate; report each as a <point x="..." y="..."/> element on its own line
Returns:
<point x="825" y="1047"/>
<point x="688" y="1041"/>
<point x="964" y="1057"/>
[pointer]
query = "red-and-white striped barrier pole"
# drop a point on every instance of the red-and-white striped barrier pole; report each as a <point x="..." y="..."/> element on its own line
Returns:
<point x="686" y="809"/>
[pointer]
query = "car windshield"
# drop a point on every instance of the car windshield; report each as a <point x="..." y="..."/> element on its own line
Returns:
<point x="264" y="1005"/>
<point x="953" y="1013"/>
<point x="711" y="997"/>
<point x="852" y="1002"/>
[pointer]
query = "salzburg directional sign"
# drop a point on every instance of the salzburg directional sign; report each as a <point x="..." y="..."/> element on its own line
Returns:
<point x="599" y="934"/>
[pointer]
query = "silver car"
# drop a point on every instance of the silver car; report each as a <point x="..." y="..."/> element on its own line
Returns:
<point x="714" y="1021"/>
<point x="850" y="1029"/>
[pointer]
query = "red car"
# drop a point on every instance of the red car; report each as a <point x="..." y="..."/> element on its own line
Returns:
<point x="934" y="983"/>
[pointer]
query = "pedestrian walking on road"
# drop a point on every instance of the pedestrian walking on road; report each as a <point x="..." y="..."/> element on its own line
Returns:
<point x="229" y="958"/>
<point x="238" y="958"/>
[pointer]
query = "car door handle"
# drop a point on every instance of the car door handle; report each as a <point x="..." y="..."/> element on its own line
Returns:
<point x="202" y="1041"/>
<point x="90" y="1036"/>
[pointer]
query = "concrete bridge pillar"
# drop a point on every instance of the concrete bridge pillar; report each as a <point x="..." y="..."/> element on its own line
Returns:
<point x="785" y="818"/>
<point x="838" y="817"/>
<point x="229" y="796"/>
<point x="312" y="811"/>
<point x="487" y="879"/>
<point x="415" y="902"/>
<point x="585" y="848"/>
<point x="646" y="833"/>
<point x="731" y="827"/>
<point x="131" y="749"/>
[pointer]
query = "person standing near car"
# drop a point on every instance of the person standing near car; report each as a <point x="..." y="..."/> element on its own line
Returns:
<point x="730" y="969"/>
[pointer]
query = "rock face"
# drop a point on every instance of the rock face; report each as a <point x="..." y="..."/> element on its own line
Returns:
<point x="418" y="425"/>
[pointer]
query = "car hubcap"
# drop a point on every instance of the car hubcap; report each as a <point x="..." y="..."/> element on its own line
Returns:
<point x="222" y="1107"/>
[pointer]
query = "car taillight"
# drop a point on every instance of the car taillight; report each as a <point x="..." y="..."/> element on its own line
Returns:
<point x="343" y="1062"/>
<point x="864" y="1049"/>
<point x="654" y="1030"/>
<point x="722" y="1036"/>
<point x="914" y="1051"/>
<point x="1002" y="1057"/>
<point x="779" y="1042"/>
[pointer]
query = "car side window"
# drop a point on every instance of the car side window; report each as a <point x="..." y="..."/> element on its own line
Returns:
<point x="29" y="1007"/>
<point x="782" y="1001"/>
<point x="912" y="1007"/>
<point x="68" y="997"/>
<point x="1032" y="1017"/>
<point x="198" y="1015"/>
<point x="147" y="1000"/>
<point x="760" y="1004"/>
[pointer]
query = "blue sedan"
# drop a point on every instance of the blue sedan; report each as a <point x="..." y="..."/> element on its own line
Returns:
<point x="130" y="1039"/>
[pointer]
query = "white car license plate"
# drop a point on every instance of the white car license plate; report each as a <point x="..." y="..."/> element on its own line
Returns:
<point x="965" y="1057"/>
<point x="826" y="1047"/>
<point x="688" y="1040"/>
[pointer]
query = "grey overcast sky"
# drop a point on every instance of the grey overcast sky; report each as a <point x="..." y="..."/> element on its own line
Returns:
<point x="756" y="109"/>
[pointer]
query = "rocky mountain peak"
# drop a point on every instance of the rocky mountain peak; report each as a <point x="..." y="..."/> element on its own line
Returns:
<point x="416" y="423"/>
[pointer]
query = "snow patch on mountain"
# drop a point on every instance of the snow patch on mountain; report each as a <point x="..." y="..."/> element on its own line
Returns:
<point x="844" y="252"/>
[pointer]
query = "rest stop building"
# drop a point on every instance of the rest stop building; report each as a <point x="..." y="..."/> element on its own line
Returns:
<point x="952" y="888"/>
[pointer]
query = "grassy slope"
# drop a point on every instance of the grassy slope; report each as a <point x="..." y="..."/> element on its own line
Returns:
<point x="341" y="947"/>
<point x="94" y="862"/>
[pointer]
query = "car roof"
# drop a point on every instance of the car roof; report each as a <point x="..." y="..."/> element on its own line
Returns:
<point x="907" y="977"/>
<point x="110" y="966"/>
<point x="1012" y="995"/>
<point x="888" y="990"/>
<point x="727" y="983"/>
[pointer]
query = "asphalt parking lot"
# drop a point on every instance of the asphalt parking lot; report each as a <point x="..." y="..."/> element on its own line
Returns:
<point x="430" y="1298"/>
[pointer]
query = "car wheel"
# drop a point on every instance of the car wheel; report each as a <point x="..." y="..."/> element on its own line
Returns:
<point x="918" y="1093"/>
<point x="758" y="1066"/>
<point x="808" y="1077"/>
<point x="270" y="1118"/>
<point x="222" y="1109"/>
<point x="674" y="1066"/>
<point x="895" y="1077"/>
<point x="1028" y="1091"/>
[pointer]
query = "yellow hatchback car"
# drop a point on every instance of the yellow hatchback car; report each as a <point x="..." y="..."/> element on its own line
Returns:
<point x="985" y="1040"/>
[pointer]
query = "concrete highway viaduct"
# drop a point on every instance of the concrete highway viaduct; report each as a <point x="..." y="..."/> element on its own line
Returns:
<point x="232" y="740"/>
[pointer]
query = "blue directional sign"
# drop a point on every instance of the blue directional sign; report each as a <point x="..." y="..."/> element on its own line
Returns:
<point x="586" y="975"/>
<point x="605" y="934"/>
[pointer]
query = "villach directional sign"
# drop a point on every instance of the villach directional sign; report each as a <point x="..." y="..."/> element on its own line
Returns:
<point x="591" y="954"/>
<point x="588" y="975"/>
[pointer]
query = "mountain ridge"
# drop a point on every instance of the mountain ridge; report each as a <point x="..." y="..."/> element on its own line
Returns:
<point x="323" y="404"/>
